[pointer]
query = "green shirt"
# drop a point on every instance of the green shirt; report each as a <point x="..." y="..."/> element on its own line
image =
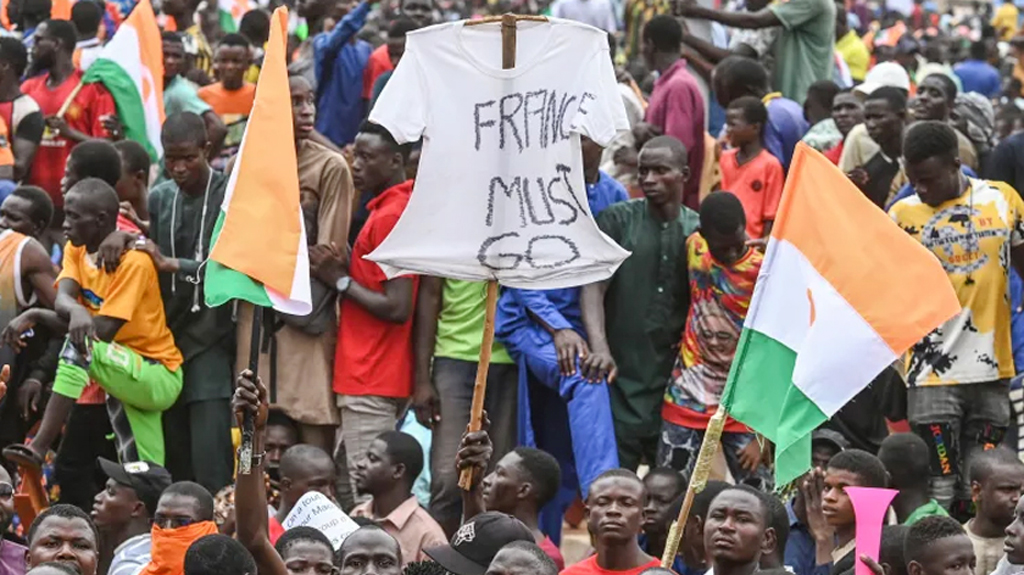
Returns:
<point x="804" y="52"/>
<point x="645" y="308"/>
<point x="176" y="227"/>
<point x="180" y="95"/>
<point x="926" y="510"/>
<point x="460" y="325"/>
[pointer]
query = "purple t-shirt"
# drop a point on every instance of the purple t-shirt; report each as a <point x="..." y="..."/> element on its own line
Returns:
<point x="677" y="107"/>
<point x="12" y="558"/>
<point x="786" y="126"/>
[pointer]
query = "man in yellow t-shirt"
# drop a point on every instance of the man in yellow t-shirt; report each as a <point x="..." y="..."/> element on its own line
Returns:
<point x="117" y="334"/>
<point x="959" y="374"/>
<point x="1006" y="21"/>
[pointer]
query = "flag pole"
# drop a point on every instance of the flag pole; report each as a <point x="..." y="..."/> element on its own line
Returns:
<point x="248" y="429"/>
<point x="698" y="481"/>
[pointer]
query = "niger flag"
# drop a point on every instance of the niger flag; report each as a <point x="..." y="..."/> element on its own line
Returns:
<point x="259" y="253"/>
<point x="842" y="293"/>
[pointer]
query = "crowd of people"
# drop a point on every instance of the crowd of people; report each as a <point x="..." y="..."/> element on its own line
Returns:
<point x="125" y="390"/>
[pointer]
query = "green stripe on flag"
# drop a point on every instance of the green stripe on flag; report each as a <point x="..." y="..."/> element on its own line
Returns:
<point x="223" y="284"/>
<point x="760" y="393"/>
<point x="126" y="95"/>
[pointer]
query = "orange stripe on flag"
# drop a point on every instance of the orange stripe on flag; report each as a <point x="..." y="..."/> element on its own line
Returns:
<point x="266" y="182"/>
<point x="151" y="52"/>
<point x="60" y="10"/>
<point x="882" y="272"/>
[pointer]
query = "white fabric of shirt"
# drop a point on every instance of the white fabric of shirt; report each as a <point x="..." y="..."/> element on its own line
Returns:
<point x="499" y="192"/>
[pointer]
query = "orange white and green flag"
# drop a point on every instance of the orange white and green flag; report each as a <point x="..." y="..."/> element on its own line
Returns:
<point x="131" y="67"/>
<point x="843" y="292"/>
<point x="259" y="252"/>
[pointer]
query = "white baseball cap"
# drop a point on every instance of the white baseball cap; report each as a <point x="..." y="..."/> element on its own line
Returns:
<point x="884" y="74"/>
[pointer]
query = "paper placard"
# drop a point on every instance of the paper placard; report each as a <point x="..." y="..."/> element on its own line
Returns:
<point x="870" y="505"/>
<point x="315" y="510"/>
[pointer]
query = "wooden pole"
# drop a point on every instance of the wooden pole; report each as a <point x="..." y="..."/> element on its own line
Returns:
<point x="508" y="60"/>
<point x="480" y="387"/>
<point x="248" y="431"/>
<point x="698" y="481"/>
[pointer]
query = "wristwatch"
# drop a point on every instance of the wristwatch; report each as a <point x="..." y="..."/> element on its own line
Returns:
<point x="342" y="284"/>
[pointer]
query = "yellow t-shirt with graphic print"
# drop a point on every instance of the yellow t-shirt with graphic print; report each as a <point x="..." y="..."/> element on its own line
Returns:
<point x="971" y="236"/>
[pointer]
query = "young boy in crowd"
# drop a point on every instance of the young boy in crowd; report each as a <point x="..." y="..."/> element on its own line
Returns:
<point x="748" y="170"/>
<point x="614" y="517"/>
<point x="722" y="271"/>
<point x="824" y="134"/>
<point x="231" y="97"/>
<point x="905" y="456"/>
<point x="774" y="557"/>
<point x="1013" y="544"/>
<point x="387" y="472"/>
<point x="830" y="516"/>
<point x="692" y="554"/>
<point x="522" y="483"/>
<point x="664" y="485"/>
<point x="133" y="186"/>
<point x="938" y="546"/>
<point x="997" y="478"/>
<point x="738" y="530"/>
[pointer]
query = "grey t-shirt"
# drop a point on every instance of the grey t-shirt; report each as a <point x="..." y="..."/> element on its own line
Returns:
<point x="132" y="555"/>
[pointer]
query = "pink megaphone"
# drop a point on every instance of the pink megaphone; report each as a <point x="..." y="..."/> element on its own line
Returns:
<point x="870" y="505"/>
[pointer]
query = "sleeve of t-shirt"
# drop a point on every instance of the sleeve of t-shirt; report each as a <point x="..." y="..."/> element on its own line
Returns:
<point x="69" y="264"/>
<point x="774" y="181"/>
<point x="401" y="113"/>
<point x="102" y="105"/>
<point x="31" y="127"/>
<point x="128" y="286"/>
<point x="379" y="229"/>
<point x="600" y="114"/>
<point x="1016" y="214"/>
<point x="796" y="13"/>
<point x="6" y="155"/>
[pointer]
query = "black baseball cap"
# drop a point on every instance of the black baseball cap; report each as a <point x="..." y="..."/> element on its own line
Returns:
<point x="476" y="543"/>
<point x="147" y="479"/>
<point x="830" y="437"/>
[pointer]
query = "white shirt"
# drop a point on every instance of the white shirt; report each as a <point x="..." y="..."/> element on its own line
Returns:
<point x="597" y="13"/>
<point x="499" y="193"/>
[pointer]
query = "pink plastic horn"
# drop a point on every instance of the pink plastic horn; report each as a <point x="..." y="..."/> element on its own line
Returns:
<point x="870" y="505"/>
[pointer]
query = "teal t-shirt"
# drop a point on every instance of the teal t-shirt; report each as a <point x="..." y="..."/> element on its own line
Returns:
<point x="804" y="53"/>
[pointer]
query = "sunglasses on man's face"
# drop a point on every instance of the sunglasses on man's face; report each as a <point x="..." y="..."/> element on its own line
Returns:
<point x="6" y="490"/>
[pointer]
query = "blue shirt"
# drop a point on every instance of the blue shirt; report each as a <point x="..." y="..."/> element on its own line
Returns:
<point x="339" y="65"/>
<point x="786" y="127"/>
<point x="801" y="550"/>
<point x="980" y="77"/>
<point x="557" y="308"/>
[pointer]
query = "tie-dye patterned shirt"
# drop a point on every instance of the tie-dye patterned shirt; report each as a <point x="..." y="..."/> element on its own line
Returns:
<point x="719" y="298"/>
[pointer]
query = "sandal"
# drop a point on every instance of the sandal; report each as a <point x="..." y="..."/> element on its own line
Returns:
<point x="24" y="457"/>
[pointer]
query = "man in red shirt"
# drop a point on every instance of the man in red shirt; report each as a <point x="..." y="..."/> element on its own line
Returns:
<point x="373" y="370"/>
<point x="615" y="514"/>
<point x="419" y="11"/>
<point x="90" y="115"/>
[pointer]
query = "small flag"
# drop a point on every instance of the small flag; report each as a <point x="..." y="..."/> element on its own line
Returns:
<point x="842" y="293"/>
<point x="131" y="67"/>
<point x="259" y="248"/>
<point x="230" y="13"/>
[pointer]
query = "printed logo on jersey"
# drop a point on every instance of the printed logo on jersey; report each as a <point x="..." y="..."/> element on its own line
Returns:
<point x="91" y="300"/>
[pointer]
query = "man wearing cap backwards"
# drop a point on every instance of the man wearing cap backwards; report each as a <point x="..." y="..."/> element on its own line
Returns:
<point x="615" y="513"/>
<point x="475" y="544"/>
<point x="123" y="513"/>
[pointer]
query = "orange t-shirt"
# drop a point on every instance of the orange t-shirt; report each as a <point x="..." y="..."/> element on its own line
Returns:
<point x="757" y="184"/>
<point x="131" y="293"/>
<point x="233" y="107"/>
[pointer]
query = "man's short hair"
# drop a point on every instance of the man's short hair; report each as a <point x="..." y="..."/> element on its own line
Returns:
<point x="65" y="33"/>
<point x="547" y="565"/>
<point x="234" y="40"/>
<point x="679" y="482"/>
<point x="184" y="128"/>
<point x="895" y="98"/>
<point x="401" y="26"/>
<point x="778" y="519"/>
<point x="907" y="459"/>
<point x="296" y="457"/>
<point x="96" y="159"/>
<point x="664" y="33"/>
<point x="403" y="448"/>
<point x="63" y="567"/>
<point x="679" y="153"/>
<point x="722" y="213"/>
<point x="744" y="76"/>
<point x="37" y="10"/>
<point x="754" y="110"/>
<point x="927" y="531"/>
<point x="204" y="501"/>
<point x="763" y="499"/>
<point x="868" y="467"/>
<point x="823" y="92"/>
<point x="14" y="53"/>
<point x="171" y="36"/>
<point x="368" y="127"/>
<point x="544" y="471"/>
<point x="301" y="534"/>
<point x="100" y="194"/>
<point x="986" y="462"/>
<point x="617" y="474"/>
<point x="701" y="501"/>
<point x="342" y="551"/>
<point x="64" y="511"/>
<point x="135" y="157"/>
<point x="979" y="50"/>
<point x="255" y="25"/>
<point x="218" y="555"/>
<point x="41" y="210"/>
<point x="891" y="550"/>
<point x="948" y="86"/>
<point x="929" y="140"/>
<point x="86" y="16"/>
